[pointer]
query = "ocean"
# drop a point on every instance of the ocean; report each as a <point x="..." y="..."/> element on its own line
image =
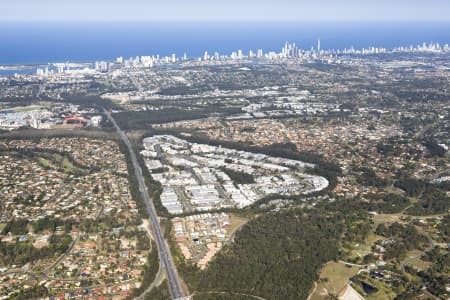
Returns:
<point x="41" y="43"/>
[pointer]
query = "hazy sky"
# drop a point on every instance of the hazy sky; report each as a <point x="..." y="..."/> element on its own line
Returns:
<point x="224" y="10"/>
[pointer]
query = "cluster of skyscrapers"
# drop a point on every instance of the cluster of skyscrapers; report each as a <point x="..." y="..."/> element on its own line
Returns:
<point x="289" y="50"/>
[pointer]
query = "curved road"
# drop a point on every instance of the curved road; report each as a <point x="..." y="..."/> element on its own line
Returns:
<point x="164" y="254"/>
<point x="156" y="282"/>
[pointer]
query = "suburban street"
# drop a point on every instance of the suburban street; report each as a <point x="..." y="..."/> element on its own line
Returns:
<point x="164" y="252"/>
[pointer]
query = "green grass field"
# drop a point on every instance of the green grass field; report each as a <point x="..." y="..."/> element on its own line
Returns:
<point x="26" y="108"/>
<point x="333" y="278"/>
<point x="59" y="162"/>
<point x="44" y="162"/>
<point x="235" y="222"/>
<point x="386" y="218"/>
<point x="419" y="264"/>
<point x="362" y="249"/>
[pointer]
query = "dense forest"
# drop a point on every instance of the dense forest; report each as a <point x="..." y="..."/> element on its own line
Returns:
<point x="20" y="253"/>
<point x="434" y="149"/>
<point x="91" y="101"/>
<point x="22" y="226"/>
<point x="435" y="278"/>
<point x="35" y="292"/>
<point x="275" y="257"/>
<point x="278" y="255"/>
<point x="239" y="177"/>
<point x="370" y="178"/>
<point x="444" y="228"/>
<point x="403" y="238"/>
<point x="131" y="120"/>
<point x="412" y="187"/>
<point x="387" y="203"/>
<point x="433" y="201"/>
<point x="16" y="227"/>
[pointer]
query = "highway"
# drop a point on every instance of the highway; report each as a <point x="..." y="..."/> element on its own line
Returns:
<point x="163" y="249"/>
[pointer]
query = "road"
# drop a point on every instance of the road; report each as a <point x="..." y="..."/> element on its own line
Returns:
<point x="232" y="293"/>
<point x="351" y="264"/>
<point x="164" y="254"/>
<point x="156" y="282"/>
<point x="313" y="291"/>
<point x="231" y="238"/>
<point x="49" y="269"/>
<point x="159" y="276"/>
<point x="184" y="200"/>
<point x="160" y="155"/>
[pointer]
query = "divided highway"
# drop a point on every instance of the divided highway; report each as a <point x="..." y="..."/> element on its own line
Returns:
<point x="163" y="249"/>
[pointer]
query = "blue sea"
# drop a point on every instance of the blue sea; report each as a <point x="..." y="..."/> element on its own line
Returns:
<point x="40" y="43"/>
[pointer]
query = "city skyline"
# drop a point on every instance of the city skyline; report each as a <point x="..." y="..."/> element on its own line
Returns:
<point x="224" y="11"/>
